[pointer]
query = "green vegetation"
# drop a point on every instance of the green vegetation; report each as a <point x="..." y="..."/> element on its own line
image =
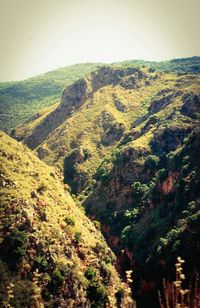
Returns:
<point x="13" y="248"/>
<point x="21" y="100"/>
<point x="126" y="139"/>
<point x="46" y="241"/>
<point x="97" y="293"/>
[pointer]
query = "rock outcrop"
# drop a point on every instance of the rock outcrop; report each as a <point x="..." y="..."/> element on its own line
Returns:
<point x="73" y="97"/>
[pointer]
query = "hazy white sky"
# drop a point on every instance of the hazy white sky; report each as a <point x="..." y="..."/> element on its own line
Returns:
<point x="40" y="35"/>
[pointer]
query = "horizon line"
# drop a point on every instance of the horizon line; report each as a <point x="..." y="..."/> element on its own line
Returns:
<point x="100" y="63"/>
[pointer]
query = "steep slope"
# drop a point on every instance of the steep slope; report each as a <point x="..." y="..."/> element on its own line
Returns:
<point x="147" y="195"/>
<point x="21" y="100"/>
<point x="92" y="117"/>
<point x="50" y="254"/>
<point x="95" y="113"/>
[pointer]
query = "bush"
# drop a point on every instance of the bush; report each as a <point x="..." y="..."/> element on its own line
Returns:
<point x="77" y="237"/>
<point x="162" y="175"/>
<point x="42" y="188"/>
<point x="56" y="282"/>
<point x="13" y="248"/>
<point x="97" y="224"/>
<point x="101" y="174"/>
<point x="151" y="163"/>
<point x="90" y="273"/>
<point x="69" y="221"/>
<point x="97" y="293"/>
<point x="42" y="264"/>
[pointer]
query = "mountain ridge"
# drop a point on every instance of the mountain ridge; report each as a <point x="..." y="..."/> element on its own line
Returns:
<point x="43" y="90"/>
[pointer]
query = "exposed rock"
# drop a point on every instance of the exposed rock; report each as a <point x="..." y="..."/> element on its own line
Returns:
<point x="42" y="152"/>
<point x="113" y="134"/>
<point x="160" y="102"/>
<point x="139" y="120"/>
<point x="151" y="121"/>
<point x="105" y="120"/>
<point x="168" y="185"/>
<point x="129" y="83"/>
<point x="120" y="106"/>
<point x="72" y="98"/>
<point x="107" y="75"/>
<point x="168" y="139"/>
<point x="191" y="104"/>
<point x="73" y="176"/>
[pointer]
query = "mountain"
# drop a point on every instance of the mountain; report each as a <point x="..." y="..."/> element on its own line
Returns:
<point x="126" y="140"/>
<point x="21" y="100"/>
<point x="51" y="255"/>
<point x="149" y="208"/>
<point x="96" y="112"/>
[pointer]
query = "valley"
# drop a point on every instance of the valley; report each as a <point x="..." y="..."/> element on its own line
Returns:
<point x="100" y="175"/>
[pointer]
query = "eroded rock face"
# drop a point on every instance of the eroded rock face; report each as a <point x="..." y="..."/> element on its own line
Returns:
<point x="168" y="185"/>
<point x="106" y="75"/>
<point x="120" y="106"/>
<point x="72" y="175"/>
<point x="162" y="99"/>
<point x="72" y="98"/>
<point x="191" y="104"/>
<point x="166" y="140"/>
<point x="75" y="94"/>
<point x="113" y="134"/>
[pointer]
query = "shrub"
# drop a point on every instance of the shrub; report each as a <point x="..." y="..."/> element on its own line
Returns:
<point x="77" y="237"/>
<point x="162" y="174"/>
<point x="42" y="188"/>
<point x="97" y="224"/>
<point x="56" y="282"/>
<point x="151" y="162"/>
<point x="90" y="273"/>
<point x="97" y="293"/>
<point x="69" y="221"/>
<point x="42" y="264"/>
<point x="13" y="248"/>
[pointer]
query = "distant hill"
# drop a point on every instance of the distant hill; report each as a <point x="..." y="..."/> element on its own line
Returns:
<point x="178" y="66"/>
<point x="23" y="99"/>
<point x="51" y="255"/>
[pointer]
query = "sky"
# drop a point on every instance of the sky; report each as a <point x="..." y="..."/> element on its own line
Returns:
<point x="40" y="35"/>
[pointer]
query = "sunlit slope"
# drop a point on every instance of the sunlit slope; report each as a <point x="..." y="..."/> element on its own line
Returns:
<point x="50" y="253"/>
<point x="97" y="112"/>
<point x="21" y="100"/>
<point x="92" y="117"/>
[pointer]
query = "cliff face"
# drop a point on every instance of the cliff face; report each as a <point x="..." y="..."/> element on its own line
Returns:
<point x="50" y="253"/>
<point x="72" y="98"/>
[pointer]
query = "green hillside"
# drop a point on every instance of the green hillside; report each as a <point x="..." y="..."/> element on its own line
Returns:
<point x="23" y="99"/>
<point x="50" y="253"/>
<point x="124" y="138"/>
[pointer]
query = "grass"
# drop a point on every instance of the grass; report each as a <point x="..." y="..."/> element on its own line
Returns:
<point x="21" y="100"/>
<point x="33" y="198"/>
<point x="94" y="118"/>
